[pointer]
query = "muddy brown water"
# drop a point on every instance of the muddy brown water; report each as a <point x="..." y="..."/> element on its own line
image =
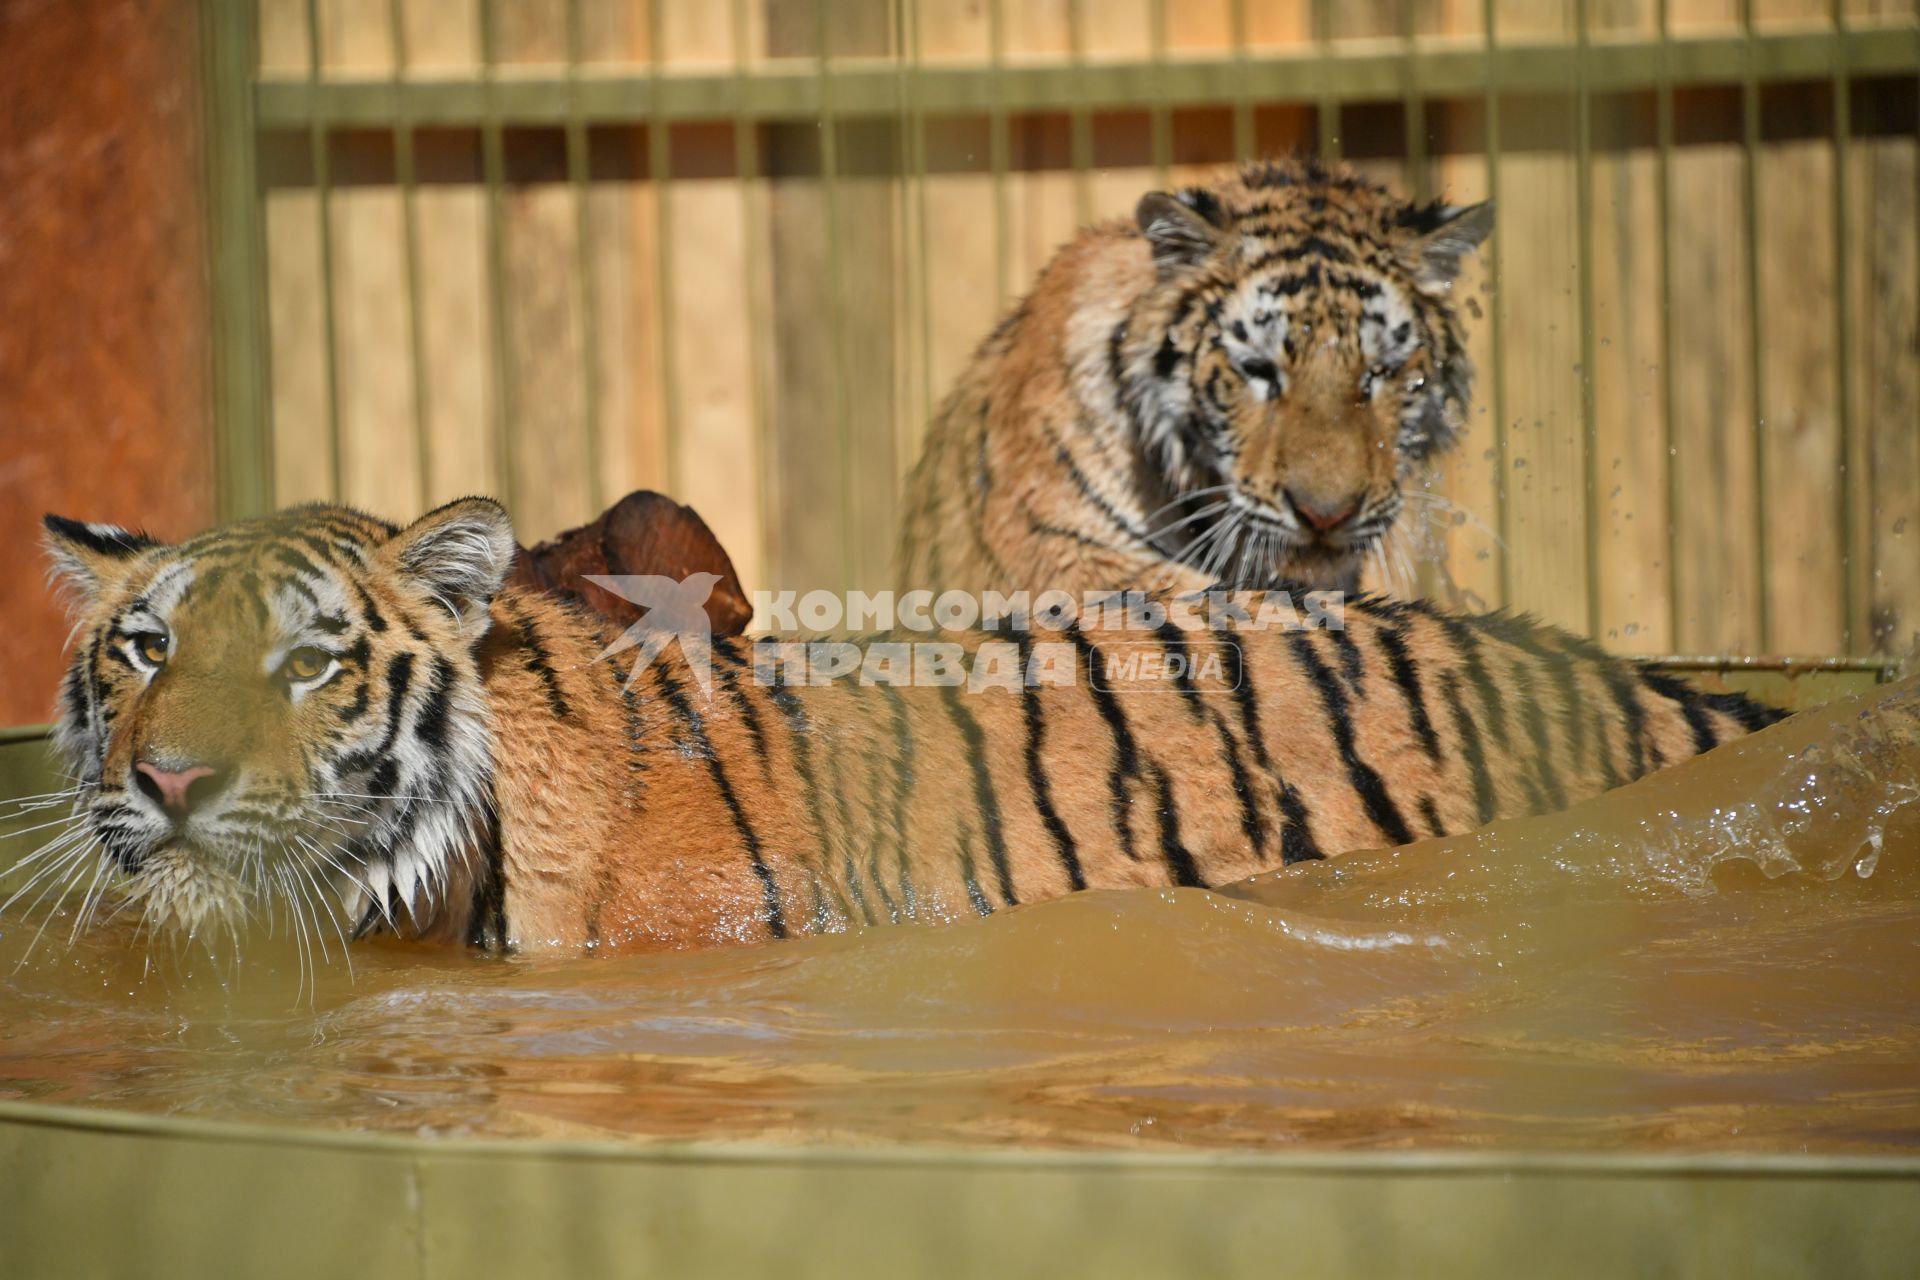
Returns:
<point x="1725" y="956"/>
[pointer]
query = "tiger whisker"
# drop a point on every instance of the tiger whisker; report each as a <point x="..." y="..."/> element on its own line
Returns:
<point x="90" y="901"/>
<point x="52" y="846"/>
<point x="44" y="800"/>
<point x="1182" y="499"/>
<point x="77" y="867"/>
<point x="43" y="826"/>
<point x="1212" y="508"/>
<point x="54" y="853"/>
<point x="298" y="930"/>
<point x="367" y="795"/>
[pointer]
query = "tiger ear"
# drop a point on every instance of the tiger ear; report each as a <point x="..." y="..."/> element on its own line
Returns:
<point x="1438" y="252"/>
<point x="87" y="556"/>
<point x="460" y="553"/>
<point x="1183" y="228"/>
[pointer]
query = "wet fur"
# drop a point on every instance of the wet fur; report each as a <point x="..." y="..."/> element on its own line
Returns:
<point x="1115" y="430"/>
<point x="522" y="794"/>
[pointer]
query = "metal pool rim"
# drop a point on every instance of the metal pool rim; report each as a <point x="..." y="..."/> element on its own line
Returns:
<point x="1370" y="1162"/>
<point x="86" y="1191"/>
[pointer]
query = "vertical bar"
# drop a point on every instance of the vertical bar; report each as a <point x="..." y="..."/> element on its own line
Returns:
<point x="746" y="157"/>
<point x="659" y="177"/>
<point x="1079" y="122"/>
<point x="1327" y="106"/>
<point x="1756" y="330"/>
<point x="836" y="297"/>
<point x="1161" y="118"/>
<point x="917" y="170"/>
<point x="1244" y="140"/>
<point x="1428" y="561"/>
<point x="493" y="173"/>
<point x="1669" y="393"/>
<point x="1851" y="564"/>
<point x="578" y="176"/>
<point x="1502" y="447"/>
<point x="999" y="148"/>
<point x="1415" y="105"/>
<point x="236" y="251"/>
<point x="405" y="172"/>
<point x="317" y="142"/>
<point x="1583" y="209"/>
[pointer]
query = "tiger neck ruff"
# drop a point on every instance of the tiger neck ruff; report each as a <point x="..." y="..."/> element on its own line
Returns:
<point x="1236" y="387"/>
<point x="320" y="712"/>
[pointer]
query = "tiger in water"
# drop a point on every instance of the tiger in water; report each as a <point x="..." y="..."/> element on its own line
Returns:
<point x="324" y="713"/>
<point x="1236" y="387"/>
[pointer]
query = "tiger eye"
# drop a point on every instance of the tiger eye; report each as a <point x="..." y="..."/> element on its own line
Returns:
<point x="307" y="662"/>
<point x="153" y="647"/>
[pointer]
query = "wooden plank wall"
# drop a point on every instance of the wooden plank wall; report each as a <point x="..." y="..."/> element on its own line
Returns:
<point x="771" y="327"/>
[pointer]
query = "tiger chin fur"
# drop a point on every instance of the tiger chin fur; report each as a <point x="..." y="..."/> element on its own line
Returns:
<point x="454" y="760"/>
<point x="1236" y="387"/>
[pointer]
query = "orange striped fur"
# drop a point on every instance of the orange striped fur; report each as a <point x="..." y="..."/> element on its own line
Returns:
<point x="515" y="790"/>
<point x="1241" y="385"/>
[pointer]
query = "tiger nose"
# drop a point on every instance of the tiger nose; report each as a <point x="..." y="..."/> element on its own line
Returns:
<point x="1324" y="514"/>
<point x="176" y="789"/>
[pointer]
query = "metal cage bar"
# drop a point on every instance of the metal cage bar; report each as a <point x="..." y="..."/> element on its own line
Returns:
<point x="1669" y="386"/>
<point x="659" y="171"/>
<point x="506" y="399"/>
<point x="1583" y="214"/>
<point x="1326" y="100"/>
<point x="1844" y="492"/>
<point x="835" y="283"/>
<point x="406" y="176"/>
<point x="746" y="153"/>
<point x="319" y="142"/>
<point x="1240" y="84"/>
<point x="1756" y="325"/>
<point x="999" y="147"/>
<point x="586" y="309"/>
<point x="1306" y="76"/>
<point x="1079" y="120"/>
<point x="241" y="400"/>
<point x="916" y="177"/>
<point x="1502" y="444"/>
<point x="1159" y="115"/>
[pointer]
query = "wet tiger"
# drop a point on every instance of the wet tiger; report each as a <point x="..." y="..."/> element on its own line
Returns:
<point x="323" y="712"/>
<point x="1238" y="387"/>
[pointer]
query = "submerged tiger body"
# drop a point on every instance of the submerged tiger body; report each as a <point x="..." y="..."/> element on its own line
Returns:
<point x="1238" y="386"/>
<point x="324" y="711"/>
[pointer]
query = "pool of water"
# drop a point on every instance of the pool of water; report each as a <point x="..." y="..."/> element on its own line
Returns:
<point x="1722" y="957"/>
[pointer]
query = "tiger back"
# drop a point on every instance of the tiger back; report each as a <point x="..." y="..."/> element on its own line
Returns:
<point x="321" y="713"/>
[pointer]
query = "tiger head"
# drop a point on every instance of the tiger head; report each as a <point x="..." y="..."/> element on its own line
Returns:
<point x="1295" y="364"/>
<point x="281" y="711"/>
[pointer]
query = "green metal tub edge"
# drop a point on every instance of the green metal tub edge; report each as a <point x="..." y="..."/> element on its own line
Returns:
<point x="90" y="1192"/>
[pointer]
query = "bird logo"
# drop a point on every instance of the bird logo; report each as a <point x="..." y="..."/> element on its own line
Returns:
<point x="675" y="612"/>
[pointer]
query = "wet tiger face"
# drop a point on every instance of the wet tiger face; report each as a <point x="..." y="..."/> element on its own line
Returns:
<point x="1297" y="365"/>
<point x="283" y="710"/>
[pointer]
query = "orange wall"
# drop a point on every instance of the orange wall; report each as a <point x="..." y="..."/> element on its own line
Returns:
<point x="103" y="297"/>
